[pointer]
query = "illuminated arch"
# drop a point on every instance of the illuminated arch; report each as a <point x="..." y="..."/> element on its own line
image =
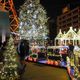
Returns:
<point x="8" y="5"/>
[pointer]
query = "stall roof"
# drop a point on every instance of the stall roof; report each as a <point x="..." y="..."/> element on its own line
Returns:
<point x="78" y="35"/>
<point x="70" y="35"/>
<point x="59" y="36"/>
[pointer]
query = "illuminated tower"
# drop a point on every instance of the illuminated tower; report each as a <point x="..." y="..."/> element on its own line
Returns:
<point x="8" y="5"/>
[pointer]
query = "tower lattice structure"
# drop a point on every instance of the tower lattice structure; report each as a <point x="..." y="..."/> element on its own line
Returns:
<point x="8" y="5"/>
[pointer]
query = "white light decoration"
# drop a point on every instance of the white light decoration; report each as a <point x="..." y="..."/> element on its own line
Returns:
<point x="28" y="11"/>
<point x="41" y="27"/>
<point x="34" y="16"/>
<point x="22" y="31"/>
<point x="31" y="5"/>
<point x="21" y="23"/>
<point x="33" y="26"/>
<point x="20" y="27"/>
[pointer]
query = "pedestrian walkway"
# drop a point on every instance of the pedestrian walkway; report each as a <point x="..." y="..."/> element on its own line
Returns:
<point x="35" y="71"/>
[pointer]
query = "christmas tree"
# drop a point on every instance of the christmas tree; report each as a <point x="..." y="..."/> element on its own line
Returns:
<point x="9" y="70"/>
<point x="33" y="21"/>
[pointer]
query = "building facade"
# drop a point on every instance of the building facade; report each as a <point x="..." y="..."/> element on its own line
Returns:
<point x="69" y="18"/>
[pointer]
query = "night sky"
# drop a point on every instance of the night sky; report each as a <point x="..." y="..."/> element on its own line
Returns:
<point x="53" y="8"/>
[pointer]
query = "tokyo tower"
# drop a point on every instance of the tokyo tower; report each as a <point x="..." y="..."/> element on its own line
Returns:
<point x="8" y="5"/>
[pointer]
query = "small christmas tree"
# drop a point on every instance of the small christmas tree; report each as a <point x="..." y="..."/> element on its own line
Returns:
<point x="9" y="70"/>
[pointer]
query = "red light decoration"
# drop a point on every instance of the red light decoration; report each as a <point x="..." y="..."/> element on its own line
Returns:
<point x="52" y="62"/>
<point x="68" y="68"/>
<point x="56" y="63"/>
<point x="30" y="59"/>
<point x="48" y="62"/>
<point x="35" y="59"/>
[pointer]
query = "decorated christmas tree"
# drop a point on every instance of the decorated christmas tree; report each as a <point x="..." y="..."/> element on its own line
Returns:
<point x="9" y="70"/>
<point x="33" y="21"/>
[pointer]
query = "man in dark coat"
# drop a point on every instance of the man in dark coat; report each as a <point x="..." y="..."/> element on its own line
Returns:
<point x="23" y="51"/>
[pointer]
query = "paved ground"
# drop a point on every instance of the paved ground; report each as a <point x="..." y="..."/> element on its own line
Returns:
<point x="35" y="71"/>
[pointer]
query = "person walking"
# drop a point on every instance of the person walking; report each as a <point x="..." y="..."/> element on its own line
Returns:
<point x="70" y="50"/>
<point x="23" y="51"/>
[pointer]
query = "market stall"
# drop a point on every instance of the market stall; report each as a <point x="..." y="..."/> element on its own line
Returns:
<point x="69" y="37"/>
